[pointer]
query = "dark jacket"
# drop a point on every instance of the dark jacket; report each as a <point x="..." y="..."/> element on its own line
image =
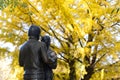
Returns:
<point x="33" y="56"/>
<point x="52" y="65"/>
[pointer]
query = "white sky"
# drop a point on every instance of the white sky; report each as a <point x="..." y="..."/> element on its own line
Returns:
<point x="7" y="45"/>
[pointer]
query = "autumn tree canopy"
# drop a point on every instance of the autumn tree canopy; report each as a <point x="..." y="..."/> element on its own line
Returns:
<point x="84" y="33"/>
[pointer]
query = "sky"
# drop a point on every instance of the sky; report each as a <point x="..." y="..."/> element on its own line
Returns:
<point x="7" y="45"/>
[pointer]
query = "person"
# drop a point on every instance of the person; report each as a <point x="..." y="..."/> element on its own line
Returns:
<point x="33" y="55"/>
<point x="52" y="57"/>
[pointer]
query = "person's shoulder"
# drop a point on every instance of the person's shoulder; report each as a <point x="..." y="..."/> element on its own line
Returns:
<point x="41" y="43"/>
<point x="24" y="45"/>
<point x="51" y="51"/>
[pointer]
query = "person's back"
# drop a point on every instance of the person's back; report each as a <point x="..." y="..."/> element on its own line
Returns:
<point x="33" y="56"/>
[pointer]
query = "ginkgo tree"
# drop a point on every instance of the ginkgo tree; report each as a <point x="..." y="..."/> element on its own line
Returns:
<point x="84" y="33"/>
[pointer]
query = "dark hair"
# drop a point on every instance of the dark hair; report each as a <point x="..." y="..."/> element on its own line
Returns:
<point x="34" y="31"/>
<point x="47" y="40"/>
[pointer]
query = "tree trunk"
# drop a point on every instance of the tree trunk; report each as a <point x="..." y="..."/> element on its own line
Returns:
<point x="90" y="72"/>
<point x="72" y="74"/>
<point x="90" y="68"/>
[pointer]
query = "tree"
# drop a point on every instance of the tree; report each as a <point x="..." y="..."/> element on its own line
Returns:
<point x="85" y="32"/>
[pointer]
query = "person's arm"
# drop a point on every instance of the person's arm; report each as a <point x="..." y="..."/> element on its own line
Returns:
<point x="44" y="54"/>
<point x="53" y="65"/>
<point x="21" y="58"/>
<point x="53" y="58"/>
<point x="53" y="55"/>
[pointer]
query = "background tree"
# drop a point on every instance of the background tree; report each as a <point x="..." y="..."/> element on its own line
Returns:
<point x="84" y="34"/>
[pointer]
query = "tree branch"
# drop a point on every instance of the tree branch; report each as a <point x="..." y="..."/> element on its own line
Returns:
<point x="78" y="60"/>
<point x="114" y="24"/>
<point x="55" y="35"/>
<point x="67" y="60"/>
<point x="106" y="66"/>
<point x="99" y="59"/>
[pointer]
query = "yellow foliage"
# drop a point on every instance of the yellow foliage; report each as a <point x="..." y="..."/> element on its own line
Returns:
<point x="68" y="21"/>
<point x="69" y="27"/>
<point x="117" y="46"/>
<point x="102" y="74"/>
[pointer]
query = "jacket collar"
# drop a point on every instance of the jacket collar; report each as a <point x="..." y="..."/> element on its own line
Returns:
<point x="33" y="37"/>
